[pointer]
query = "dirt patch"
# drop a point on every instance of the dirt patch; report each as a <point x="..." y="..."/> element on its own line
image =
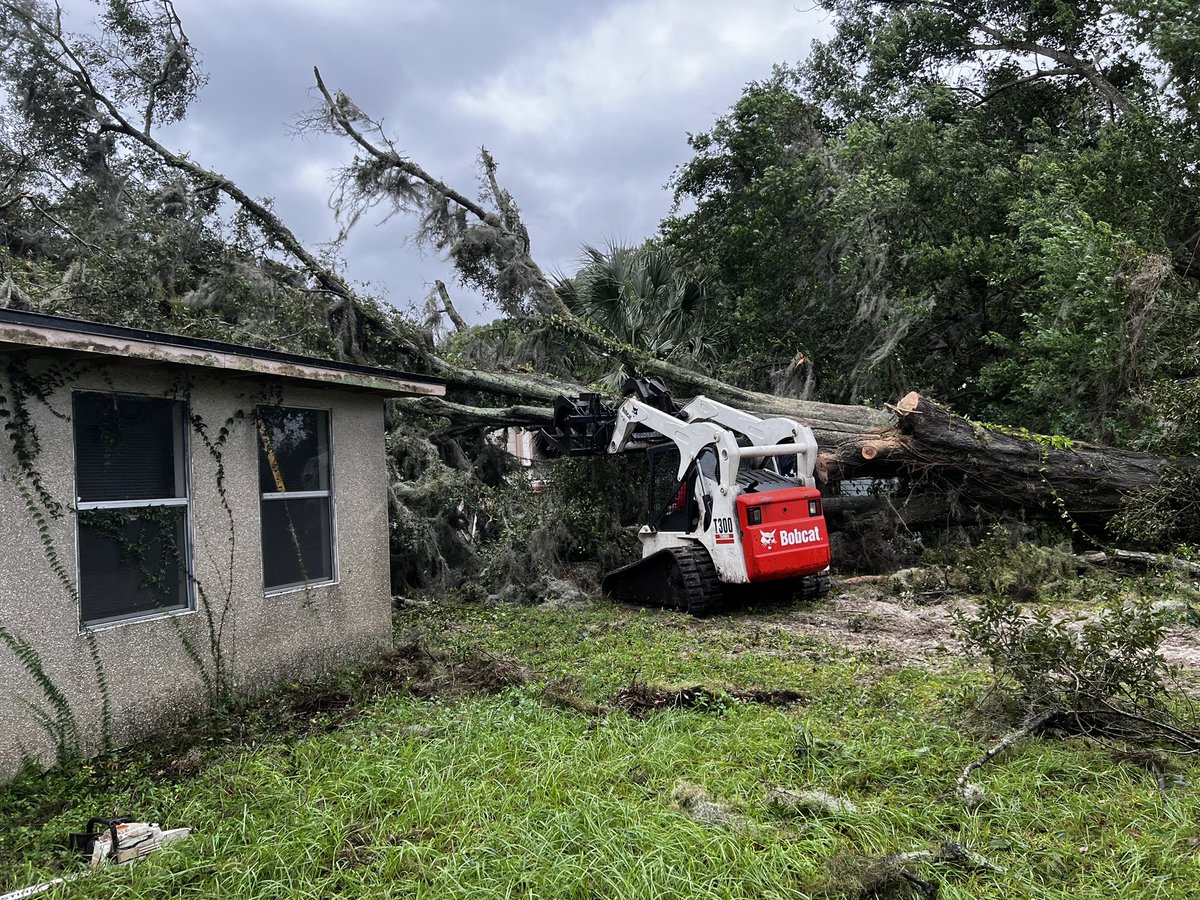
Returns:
<point x="424" y="672"/>
<point x="322" y="703"/>
<point x="872" y="622"/>
<point x="901" y="630"/>
<point x="640" y="700"/>
<point x="1181" y="647"/>
<point x="356" y="851"/>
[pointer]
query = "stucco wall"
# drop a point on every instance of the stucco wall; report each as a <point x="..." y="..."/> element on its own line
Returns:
<point x="262" y="640"/>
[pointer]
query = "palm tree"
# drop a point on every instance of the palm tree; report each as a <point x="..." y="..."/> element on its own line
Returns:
<point x="642" y="297"/>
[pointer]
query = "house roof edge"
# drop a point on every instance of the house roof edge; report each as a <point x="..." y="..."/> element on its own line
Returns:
<point x="40" y="330"/>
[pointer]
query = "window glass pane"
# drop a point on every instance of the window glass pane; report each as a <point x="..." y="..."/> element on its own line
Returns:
<point x="132" y="561"/>
<point x="127" y="447"/>
<point x="293" y="452"/>
<point x="296" y="542"/>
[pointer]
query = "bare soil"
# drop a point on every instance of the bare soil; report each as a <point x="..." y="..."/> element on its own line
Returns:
<point x="640" y="700"/>
<point x="898" y="629"/>
<point x="871" y="622"/>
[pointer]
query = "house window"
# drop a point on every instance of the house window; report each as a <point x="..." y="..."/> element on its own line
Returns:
<point x="131" y="506"/>
<point x="294" y="477"/>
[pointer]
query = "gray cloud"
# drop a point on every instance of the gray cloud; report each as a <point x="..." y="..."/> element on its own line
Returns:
<point x="585" y="106"/>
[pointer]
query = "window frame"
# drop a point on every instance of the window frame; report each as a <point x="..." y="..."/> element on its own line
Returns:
<point x="183" y="463"/>
<point x="275" y="496"/>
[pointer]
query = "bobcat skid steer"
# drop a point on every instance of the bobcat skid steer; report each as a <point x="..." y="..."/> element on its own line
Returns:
<point x="735" y="512"/>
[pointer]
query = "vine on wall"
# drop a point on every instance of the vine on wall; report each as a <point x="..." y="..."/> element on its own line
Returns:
<point x="155" y="559"/>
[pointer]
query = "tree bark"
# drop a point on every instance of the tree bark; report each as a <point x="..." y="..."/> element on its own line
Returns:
<point x="971" y="468"/>
<point x="466" y="418"/>
<point x="1004" y="469"/>
<point x="460" y="324"/>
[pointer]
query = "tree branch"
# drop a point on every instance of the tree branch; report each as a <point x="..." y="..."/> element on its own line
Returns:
<point x="465" y="418"/>
<point x="546" y="299"/>
<point x="337" y="110"/>
<point x="60" y="224"/>
<point x="1074" y="64"/>
<point x="503" y="200"/>
<point x="1008" y="44"/>
<point x="70" y="65"/>
<point x="1017" y="82"/>
<point x="460" y="324"/>
<point x="177" y="46"/>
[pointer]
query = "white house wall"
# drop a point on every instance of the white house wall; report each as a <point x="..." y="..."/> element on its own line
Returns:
<point x="263" y="640"/>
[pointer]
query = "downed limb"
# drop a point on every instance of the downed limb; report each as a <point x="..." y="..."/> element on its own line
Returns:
<point x="1101" y="677"/>
<point x="45" y="38"/>
<point x="460" y="324"/>
<point x="465" y="418"/>
<point x="1143" y="559"/>
<point x="971" y="794"/>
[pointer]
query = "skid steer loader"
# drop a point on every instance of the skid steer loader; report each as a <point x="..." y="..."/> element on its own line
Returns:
<point x="735" y="512"/>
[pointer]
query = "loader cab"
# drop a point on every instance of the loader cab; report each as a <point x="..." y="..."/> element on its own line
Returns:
<point x="680" y="506"/>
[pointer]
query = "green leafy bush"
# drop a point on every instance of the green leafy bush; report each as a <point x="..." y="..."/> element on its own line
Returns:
<point x="1105" y="663"/>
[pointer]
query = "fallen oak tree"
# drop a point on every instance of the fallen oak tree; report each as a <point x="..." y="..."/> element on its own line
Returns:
<point x="971" y="465"/>
<point x="974" y="468"/>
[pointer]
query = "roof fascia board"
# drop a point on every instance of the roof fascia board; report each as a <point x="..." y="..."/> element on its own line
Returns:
<point x="108" y="345"/>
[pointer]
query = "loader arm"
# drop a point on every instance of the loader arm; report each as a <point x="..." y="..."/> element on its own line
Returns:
<point x="760" y="432"/>
<point x="690" y="438"/>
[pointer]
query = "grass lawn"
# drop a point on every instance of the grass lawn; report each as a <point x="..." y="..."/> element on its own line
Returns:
<point x="513" y="792"/>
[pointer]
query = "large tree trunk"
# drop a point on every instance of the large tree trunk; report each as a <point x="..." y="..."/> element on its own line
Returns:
<point x="1005" y="469"/>
<point x="973" y="468"/>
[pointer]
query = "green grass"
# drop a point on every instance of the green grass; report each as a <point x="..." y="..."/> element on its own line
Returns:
<point x="510" y="796"/>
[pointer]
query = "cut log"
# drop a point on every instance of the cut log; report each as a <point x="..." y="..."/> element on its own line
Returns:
<point x="1005" y="469"/>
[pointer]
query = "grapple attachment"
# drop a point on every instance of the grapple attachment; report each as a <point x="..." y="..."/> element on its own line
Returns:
<point x="583" y="425"/>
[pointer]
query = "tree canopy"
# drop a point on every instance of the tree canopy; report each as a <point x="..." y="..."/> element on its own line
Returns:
<point x="992" y="202"/>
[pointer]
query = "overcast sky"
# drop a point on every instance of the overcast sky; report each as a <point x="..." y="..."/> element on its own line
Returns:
<point x="585" y="105"/>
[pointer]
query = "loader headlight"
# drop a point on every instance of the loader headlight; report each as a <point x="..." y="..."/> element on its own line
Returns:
<point x="814" y="507"/>
<point x="754" y="515"/>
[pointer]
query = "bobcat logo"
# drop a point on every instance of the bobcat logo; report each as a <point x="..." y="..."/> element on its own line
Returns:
<point x="767" y="538"/>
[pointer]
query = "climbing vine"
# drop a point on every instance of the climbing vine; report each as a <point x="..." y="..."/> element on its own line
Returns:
<point x="152" y="548"/>
<point x="23" y="386"/>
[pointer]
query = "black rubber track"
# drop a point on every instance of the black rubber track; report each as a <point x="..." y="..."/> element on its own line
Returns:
<point x="701" y="587"/>
<point x="678" y="578"/>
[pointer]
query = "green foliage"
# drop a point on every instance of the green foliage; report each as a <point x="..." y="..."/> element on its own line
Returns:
<point x="1103" y="663"/>
<point x="757" y="183"/>
<point x="641" y="297"/>
<point x="1165" y="514"/>
<point x="1017" y="562"/>
<point x="580" y="524"/>
<point x="905" y="212"/>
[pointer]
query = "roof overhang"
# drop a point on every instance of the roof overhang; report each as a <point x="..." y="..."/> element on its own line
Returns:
<point x="34" y="330"/>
